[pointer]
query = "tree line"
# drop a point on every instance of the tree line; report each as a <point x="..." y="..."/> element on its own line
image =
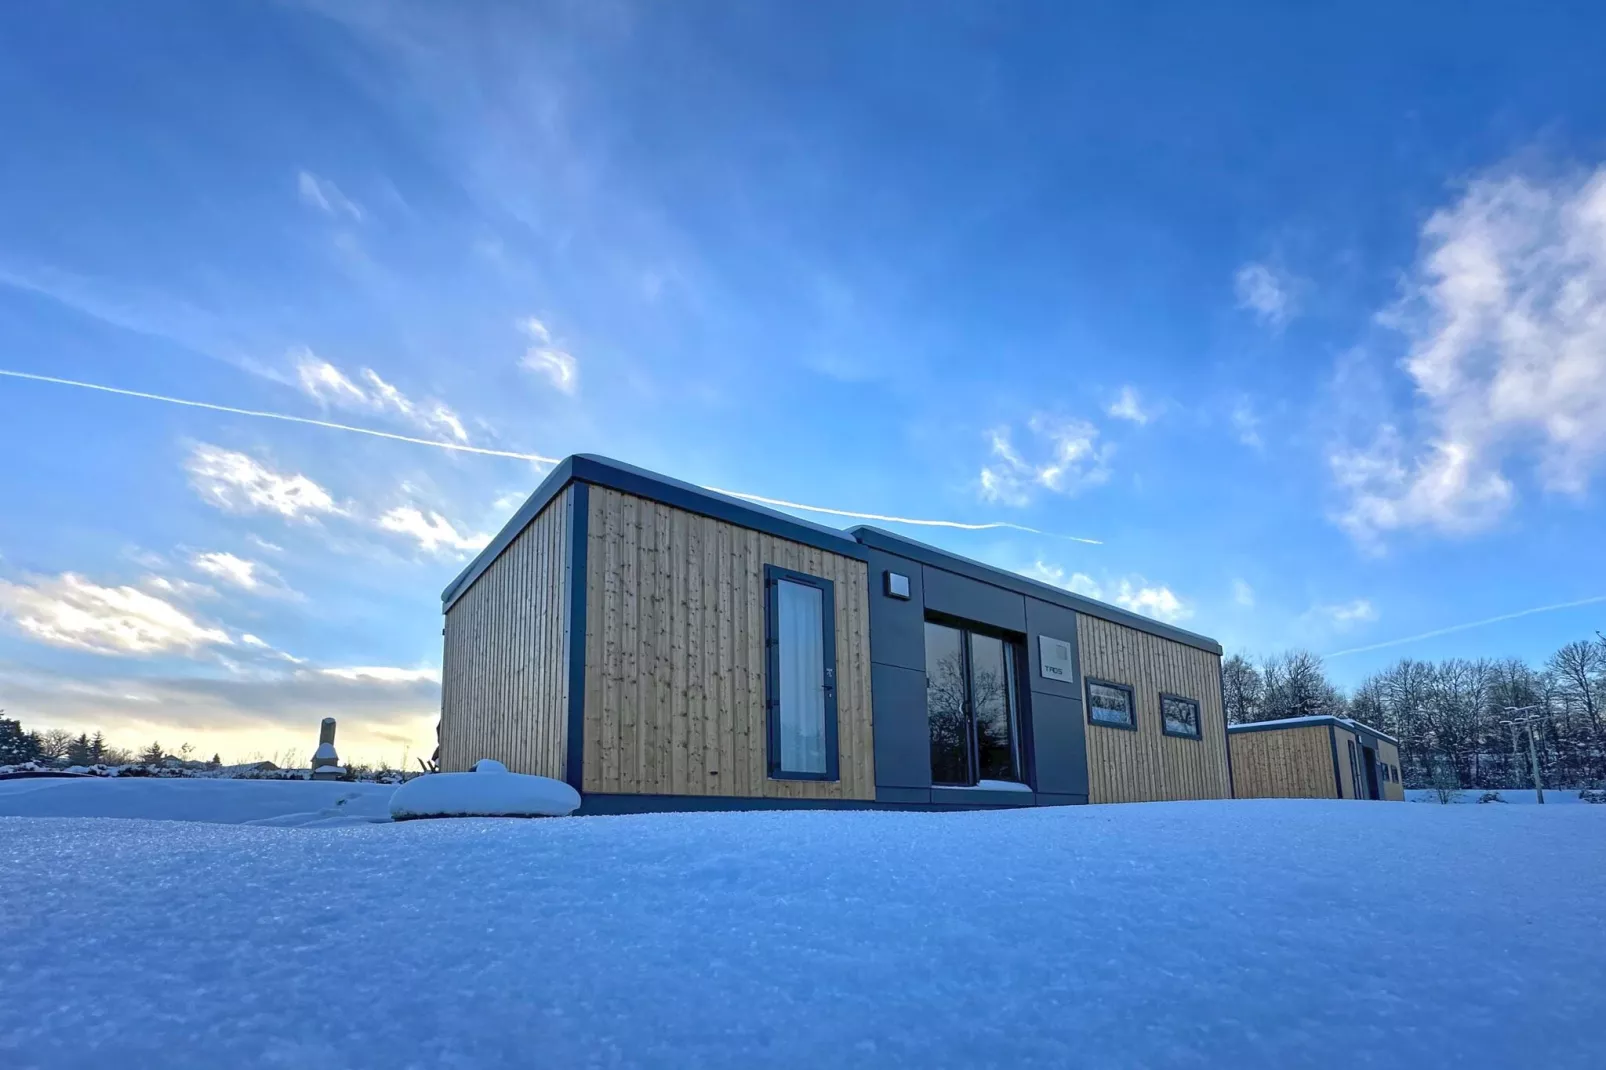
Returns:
<point x="59" y="745"/>
<point x="1459" y="721"/>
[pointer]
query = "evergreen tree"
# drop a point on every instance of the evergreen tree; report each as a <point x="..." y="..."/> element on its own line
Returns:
<point x="79" y="751"/>
<point x="16" y="746"/>
<point x="97" y="748"/>
<point x="152" y="755"/>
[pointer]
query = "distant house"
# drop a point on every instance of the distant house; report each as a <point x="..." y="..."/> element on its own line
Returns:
<point x="661" y="647"/>
<point x="1314" y="758"/>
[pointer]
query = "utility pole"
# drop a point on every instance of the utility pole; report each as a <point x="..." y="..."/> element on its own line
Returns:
<point x="1533" y="745"/>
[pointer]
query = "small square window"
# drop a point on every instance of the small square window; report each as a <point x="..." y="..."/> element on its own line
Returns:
<point x="1111" y="704"/>
<point x="897" y="585"/>
<point x="1179" y="716"/>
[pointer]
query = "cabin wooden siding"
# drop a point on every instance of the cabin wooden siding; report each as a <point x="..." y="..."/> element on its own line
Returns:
<point x="505" y="678"/>
<point x="1147" y="765"/>
<point x="1393" y="791"/>
<point x="675" y="656"/>
<point x="1284" y="763"/>
<point x="1342" y="738"/>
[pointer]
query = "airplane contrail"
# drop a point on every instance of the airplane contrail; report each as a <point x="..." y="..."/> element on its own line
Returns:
<point x="461" y="447"/>
<point x="1470" y="624"/>
<point x="991" y="526"/>
<point x="286" y="417"/>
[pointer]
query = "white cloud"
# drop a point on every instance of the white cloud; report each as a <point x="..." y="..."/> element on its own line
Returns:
<point x="250" y="640"/>
<point x="240" y="572"/>
<point x="324" y="195"/>
<point x="432" y="531"/>
<point x="1078" y="582"/>
<point x="1074" y="461"/>
<point x="237" y="483"/>
<point x="388" y="674"/>
<point x="1505" y="320"/>
<point x="1347" y="615"/>
<point x="1134" y="593"/>
<point x="331" y="386"/>
<point x="1128" y="407"/>
<point x="556" y="364"/>
<point x="1265" y="293"/>
<point x="1243" y="594"/>
<point x="1246" y="424"/>
<point x="1157" y="602"/>
<point x="177" y="586"/>
<point x="326" y="382"/>
<point x="70" y="611"/>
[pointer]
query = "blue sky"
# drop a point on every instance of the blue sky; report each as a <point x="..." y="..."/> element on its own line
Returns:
<point x="1301" y="316"/>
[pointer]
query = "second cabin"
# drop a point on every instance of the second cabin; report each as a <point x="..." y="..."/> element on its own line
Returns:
<point x="664" y="647"/>
<point x="1314" y="758"/>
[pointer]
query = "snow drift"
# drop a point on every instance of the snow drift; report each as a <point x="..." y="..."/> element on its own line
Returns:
<point x="489" y="791"/>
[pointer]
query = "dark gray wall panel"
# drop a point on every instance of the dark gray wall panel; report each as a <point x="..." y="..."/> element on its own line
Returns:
<point x="980" y="797"/>
<point x="1044" y="618"/>
<point x="921" y="796"/>
<point x="1061" y="800"/>
<point x="959" y="596"/>
<point x="897" y="628"/>
<point x="1058" y="744"/>
<point x="902" y="738"/>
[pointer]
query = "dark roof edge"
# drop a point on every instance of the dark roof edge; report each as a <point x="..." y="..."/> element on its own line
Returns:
<point x="627" y="478"/>
<point x="1312" y="722"/>
<point x="881" y="539"/>
<point x="549" y="488"/>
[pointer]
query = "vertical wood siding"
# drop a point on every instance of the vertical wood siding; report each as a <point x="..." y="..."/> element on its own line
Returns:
<point x="1388" y="752"/>
<point x="1342" y="738"/>
<point x="505" y="678"/>
<point x="674" y="656"/>
<point x="1288" y="763"/>
<point x="1126" y="766"/>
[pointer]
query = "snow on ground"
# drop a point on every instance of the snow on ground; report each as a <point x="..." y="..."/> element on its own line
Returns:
<point x="222" y="801"/>
<point x="1248" y="934"/>
<point x="489" y="791"/>
<point x="1510" y="795"/>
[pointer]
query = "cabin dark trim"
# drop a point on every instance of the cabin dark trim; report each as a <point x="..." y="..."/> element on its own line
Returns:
<point x="628" y="479"/>
<point x="579" y="529"/>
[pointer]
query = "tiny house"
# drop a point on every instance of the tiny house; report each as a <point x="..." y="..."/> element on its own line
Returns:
<point x="663" y="647"/>
<point x="1314" y="758"/>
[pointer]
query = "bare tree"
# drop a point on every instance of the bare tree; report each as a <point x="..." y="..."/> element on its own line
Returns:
<point x="1580" y="673"/>
<point x="1242" y="689"/>
<point x="1296" y="685"/>
<point x="54" y="742"/>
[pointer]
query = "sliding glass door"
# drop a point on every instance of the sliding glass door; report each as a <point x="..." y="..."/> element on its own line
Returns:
<point x="972" y="704"/>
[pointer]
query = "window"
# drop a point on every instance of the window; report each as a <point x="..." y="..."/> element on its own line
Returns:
<point x="800" y="676"/>
<point x="1111" y="704"/>
<point x="972" y="706"/>
<point x="1179" y="716"/>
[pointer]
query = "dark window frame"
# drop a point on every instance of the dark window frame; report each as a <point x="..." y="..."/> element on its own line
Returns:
<point x="774" y="575"/>
<point x="1131" y="703"/>
<point x="1020" y="682"/>
<point x="1198" y="717"/>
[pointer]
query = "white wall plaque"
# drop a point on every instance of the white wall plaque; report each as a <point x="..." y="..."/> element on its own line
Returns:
<point x="1054" y="658"/>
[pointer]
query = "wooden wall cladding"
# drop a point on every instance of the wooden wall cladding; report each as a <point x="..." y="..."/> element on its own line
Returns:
<point x="1288" y="763"/>
<point x="1147" y="765"/>
<point x="674" y="656"/>
<point x="504" y="681"/>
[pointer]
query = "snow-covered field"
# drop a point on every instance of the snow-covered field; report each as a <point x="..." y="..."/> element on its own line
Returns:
<point x="1243" y="934"/>
<point x="222" y="801"/>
